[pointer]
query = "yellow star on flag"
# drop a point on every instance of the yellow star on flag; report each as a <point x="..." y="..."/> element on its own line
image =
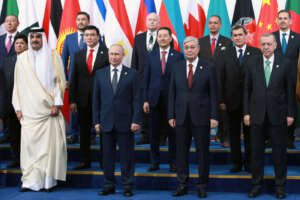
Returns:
<point x="268" y="2"/>
<point x="260" y="24"/>
<point x="269" y="27"/>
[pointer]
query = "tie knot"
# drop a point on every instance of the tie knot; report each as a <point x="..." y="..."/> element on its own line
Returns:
<point x="91" y="50"/>
<point x="115" y="69"/>
<point x="163" y="52"/>
<point x="241" y="50"/>
<point x="268" y="62"/>
<point x="10" y="36"/>
<point x="190" y="65"/>
<point x="283" y="34"/>
<point x="213" y="39"/>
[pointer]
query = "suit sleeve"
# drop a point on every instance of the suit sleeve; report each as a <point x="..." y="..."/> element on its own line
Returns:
<point x="2" y="94"/>
<point x="172" y="94"/>
<point x="247" y="89"/>
<point x="290" y="88"/>
<point x="213" y="92"/>
<point x="96" y="103"/>
<point x="146" y="79"/>
<point x="137" y="109"/>
<point x="134" y="59"/>
<point x="74" y="81"/>
<point x="65" y="56"/>
<point x="220" y="65"/>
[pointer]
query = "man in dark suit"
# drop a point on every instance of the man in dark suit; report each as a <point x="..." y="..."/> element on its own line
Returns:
<point x="143" y="45"/>
<point x="73" y="43"/>
<point x="7" y="49"/>
<point x="193" y="111"/>
<point x="13" y="124"/>
<point x="231" y="77"/>
<point x="117" y="115"/>
<point x="2" y="95"/>
<point x="288" y="45"/>
<point x="269" y="108"/>
<point x="86" y="62"/>
<point x="213" y="47"/>
<point x="157" y="74"/>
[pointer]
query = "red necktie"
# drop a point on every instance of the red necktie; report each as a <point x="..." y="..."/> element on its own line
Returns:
<point x="163" y="61"/>
<point x="190" y="75"/>
<point x="89" y="61"/>
<point x="213" y="44"/>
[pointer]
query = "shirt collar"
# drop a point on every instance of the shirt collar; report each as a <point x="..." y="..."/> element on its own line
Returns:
<point x="12" y="34"/>
<point x="95" y="48"/>
<point x="287" y="32"/>
<point x="194" y="63"/>
<point x="119" y="68"/>
<point x="215" y="36"/>
<point x="167" y="50"/>
<point x="153" y="33"/>
<point x="243" y="47"/>
<point x="271" y="59"/>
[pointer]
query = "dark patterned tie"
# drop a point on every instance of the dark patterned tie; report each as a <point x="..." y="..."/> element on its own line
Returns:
<point x="114" y="81"/>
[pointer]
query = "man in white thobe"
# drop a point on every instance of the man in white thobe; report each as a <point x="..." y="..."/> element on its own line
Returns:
<point x="37" y="99"/>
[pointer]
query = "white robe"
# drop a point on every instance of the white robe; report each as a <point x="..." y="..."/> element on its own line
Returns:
<point x="43" y="142"/>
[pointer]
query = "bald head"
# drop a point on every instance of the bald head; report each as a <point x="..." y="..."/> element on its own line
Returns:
<point x="152" y="21"/>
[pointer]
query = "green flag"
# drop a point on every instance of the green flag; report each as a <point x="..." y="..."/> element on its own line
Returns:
<point x="294" y="7"/>
<point x="12" y="8"/>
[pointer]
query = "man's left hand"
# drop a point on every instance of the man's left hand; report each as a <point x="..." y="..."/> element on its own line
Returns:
<point x="290" y="121"/>
<point x="55" y="110"/>
<point x="213" y="123"/>
<point x="134" y="127"/>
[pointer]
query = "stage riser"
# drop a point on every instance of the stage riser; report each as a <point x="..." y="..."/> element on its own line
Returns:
<point x="158" y="183"/>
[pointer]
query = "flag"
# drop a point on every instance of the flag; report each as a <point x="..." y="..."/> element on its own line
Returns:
<point x="118" y="28"/>
<point x="165" y="20"/>
<point x="267" y="19"/>
<point x="294" y="7"/>
<point x="244" y="15"/>
<point x="97" y="12"/>
<point x="68" y="22"/>
<point x="3" y="6"/>
<point x="218" y="7"/>
<point x="27" y="10"/>
<point x="12" y="8"/>
<point x="51" y="21"/>
<point x="146" y="7"/>
<point x="193" y="17"/>
<point x="67" y="26"/>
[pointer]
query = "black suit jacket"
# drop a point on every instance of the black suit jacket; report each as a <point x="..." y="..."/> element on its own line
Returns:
<point x="81" y="84"/>
<point x="292" y="51"/>
<point x="277" y="100"/>
<point x="9" y="71"/>
<point x="201" y="100"/>
<point x="139" y="53"/>
<point x="2" y="94"/>
<point x="205" y="50"/>
<point x="3" y="53"/>
<point x="231" y="76"/>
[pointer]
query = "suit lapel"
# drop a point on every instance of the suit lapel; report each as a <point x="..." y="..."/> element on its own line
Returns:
<point x="275" y="68"/>
<point x="207" y="43"/>
<point x="123" y="76"/>
<point x="107" y="76"/>
<point x="97" y="60"/>
<point x="197" y="72"/>
<point x="83" y="58"/>
<point x="261" y="71"/>
<point x="290" y="41"/>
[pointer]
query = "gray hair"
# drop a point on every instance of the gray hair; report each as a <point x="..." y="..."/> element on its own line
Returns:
<point x="269" y="35"/>
<point x="117" y="45"/>
<point x="191" y="39"/>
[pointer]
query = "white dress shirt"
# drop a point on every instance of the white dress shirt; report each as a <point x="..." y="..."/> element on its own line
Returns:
<point x="237" y="49"/>
<point x="119" y="68"/>
<point x="149" y="33"/>
<point x="195" y="63"/>
<point x="94" y="53"/>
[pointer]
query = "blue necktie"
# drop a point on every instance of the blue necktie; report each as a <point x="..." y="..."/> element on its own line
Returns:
<point x="240" y="56"/>
<point x="283" y="43"/>
<point x="81" y="42"/>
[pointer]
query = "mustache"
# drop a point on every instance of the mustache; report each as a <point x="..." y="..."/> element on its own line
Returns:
<point x="35" y="42"/>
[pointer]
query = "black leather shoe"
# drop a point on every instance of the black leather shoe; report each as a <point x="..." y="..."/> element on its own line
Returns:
<point x="280" y="193"/>
<point x="255" y="191"/>
<point x="127" y="193"/>
<point x="202" y="193"/>
<point x="72" y="139"/>
<point x="236" y="168"/>
<point x="107" y="191"/>
<point x="180" y="191"/>
<point x="82" y="166"/>
<point x="172" y="168"/>
<point x="23" y="189"/>
<point x="13" y="164"/>
<point x="153" y="167"/>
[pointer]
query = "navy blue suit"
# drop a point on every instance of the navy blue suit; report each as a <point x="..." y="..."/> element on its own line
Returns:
<point x="156" y="86"/>
<point x="192" y="108"/>
<point x="3" y="53"/>
<point x="115" y="112"/>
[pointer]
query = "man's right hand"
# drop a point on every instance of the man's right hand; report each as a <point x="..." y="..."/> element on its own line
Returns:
<point x="172" y="123"/>
<point x="19" y="115"/>
<point x="146" y="107"/>
<point x="98" y="128"/>
<point x="247" y="120"/>
<point x="223" y="106"/>
<point x="73" y="107"/>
